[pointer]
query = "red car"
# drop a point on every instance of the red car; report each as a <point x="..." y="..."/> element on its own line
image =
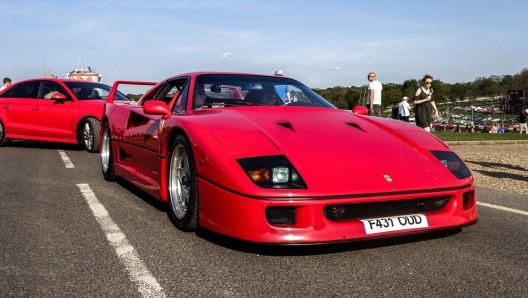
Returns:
<point x="229" y="155"/>
<point x="54" y="110"/>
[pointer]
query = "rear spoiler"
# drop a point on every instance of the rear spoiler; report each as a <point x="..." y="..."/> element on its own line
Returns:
<point x="111" y="95"/>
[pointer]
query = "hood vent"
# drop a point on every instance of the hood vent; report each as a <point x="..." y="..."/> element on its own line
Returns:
<point x="286" y="125"/>
<point x="355" y="126"/>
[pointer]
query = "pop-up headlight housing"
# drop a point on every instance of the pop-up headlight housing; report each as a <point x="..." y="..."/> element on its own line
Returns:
<point x="453" y="163"/>
<point x="272" y="172"/>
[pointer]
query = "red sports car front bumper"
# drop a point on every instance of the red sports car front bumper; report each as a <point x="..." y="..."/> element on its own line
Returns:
<point x="321" y="220"/>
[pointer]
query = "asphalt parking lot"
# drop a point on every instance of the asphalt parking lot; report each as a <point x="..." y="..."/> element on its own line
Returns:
<point x="68" y="233"/>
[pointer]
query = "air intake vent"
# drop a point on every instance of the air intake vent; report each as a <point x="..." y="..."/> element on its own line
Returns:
<point x="386" y="208"/>
<point x="468" y="200"/>
<point x="123" y="154"/>
<point x="354" y="125"/>
<point x="280" y="216"/>
<point x="286" y="125"/>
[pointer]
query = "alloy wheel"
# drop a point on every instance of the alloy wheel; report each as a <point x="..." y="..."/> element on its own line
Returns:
<point x="105" y="151"/>
<point x="88" y="136"/>
<point x="179" y="181"/>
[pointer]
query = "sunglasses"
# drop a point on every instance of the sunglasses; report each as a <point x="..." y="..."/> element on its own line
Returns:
<point x="428" y="83"/>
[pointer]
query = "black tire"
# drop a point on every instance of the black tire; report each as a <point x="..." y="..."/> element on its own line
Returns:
<point x="3" y="140"/>
<point x="182" y="186"/>
<point x="90" y="133"/>
<point x="107" y="156"/>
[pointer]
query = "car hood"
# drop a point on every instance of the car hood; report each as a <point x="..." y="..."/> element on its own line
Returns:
<point x="335" y="151"/>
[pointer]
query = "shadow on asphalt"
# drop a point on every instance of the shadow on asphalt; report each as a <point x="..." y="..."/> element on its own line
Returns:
<point x="495" y="165"/>
<point x="502" y="175"/>
<point x="45" y="145"/>
<point x="317" y="249"/>
<point x="138" y="192"/>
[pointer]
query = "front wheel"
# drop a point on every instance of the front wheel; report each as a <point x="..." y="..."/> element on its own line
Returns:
<point x="182" y="185"/>
<point x="3" y="140"/>
<point x="91" y="135"/>
<point x="107" y="158"/>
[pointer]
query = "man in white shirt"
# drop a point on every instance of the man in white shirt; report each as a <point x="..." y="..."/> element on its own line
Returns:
<point x="374" y="97"/>
<point x="7" y="82"/>
<point x="404" y="109"/>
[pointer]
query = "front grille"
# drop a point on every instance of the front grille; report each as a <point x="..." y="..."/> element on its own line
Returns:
<point x="382" y="209"/>
<point x="280" y="216"/>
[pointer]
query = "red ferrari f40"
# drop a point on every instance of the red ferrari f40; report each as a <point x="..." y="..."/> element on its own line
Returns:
<point x="266" y="159"/>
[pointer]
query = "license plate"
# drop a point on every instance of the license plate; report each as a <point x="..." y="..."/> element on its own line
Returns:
<point x="394" y="223"/>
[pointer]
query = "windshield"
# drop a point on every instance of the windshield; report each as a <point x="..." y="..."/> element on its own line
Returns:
<point x="90" y="91"/>
<point x="252" y="90"/>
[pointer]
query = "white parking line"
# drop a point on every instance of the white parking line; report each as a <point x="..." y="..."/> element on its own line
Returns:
<point x="147" y="285"/>
<point x="66" y="159"/>
<point x="503" y="208"/>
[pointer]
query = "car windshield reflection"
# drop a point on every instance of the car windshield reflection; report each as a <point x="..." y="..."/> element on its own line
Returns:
<point x="217" y="91"/>
<point x="91" y="91"/>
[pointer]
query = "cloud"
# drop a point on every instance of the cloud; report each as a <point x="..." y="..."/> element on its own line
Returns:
<point x="227" y="55"/>
<point x="334" y="68"/>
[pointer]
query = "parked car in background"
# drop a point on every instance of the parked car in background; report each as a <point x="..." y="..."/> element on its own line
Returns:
<point x="54" y="110"/>
<point x="512" y="127"/>
<point x="229" y="155"/>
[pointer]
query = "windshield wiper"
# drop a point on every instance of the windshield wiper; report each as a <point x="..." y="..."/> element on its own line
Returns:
<point x="233" y="103"/>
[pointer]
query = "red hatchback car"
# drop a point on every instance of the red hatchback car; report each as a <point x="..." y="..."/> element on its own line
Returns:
<point x="54" y="110"/>
<point x="230" y="153"/>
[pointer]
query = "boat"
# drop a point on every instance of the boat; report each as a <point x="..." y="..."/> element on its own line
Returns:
<point x="86" y="74"/>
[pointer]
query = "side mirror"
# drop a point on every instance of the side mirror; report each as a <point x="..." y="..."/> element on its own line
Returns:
<point x="361" y="110"/>
<point x="58" y="96"/>
<point x="153" y="107"/>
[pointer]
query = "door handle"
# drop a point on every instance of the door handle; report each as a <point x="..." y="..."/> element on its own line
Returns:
<point x="36" y="108"/>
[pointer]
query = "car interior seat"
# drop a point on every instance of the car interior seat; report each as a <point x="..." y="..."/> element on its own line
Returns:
<point x="45" y="91"/>
<point x="253" y="96"/>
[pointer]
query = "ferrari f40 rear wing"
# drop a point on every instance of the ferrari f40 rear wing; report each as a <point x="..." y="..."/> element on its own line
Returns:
<point x="111" y="95"/>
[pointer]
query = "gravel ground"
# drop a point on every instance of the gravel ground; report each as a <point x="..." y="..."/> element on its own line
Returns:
<point x="502" y="166"/>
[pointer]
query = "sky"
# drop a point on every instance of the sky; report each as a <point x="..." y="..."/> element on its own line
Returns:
<point x="322" y="44"/>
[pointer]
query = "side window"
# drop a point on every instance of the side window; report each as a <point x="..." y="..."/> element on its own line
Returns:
<point x="170" y="97"/>
<point x="181" y="101"/>
<point x="50" y="88"/>
<point x="23" y="90"/>
<point x="174" y="93"/>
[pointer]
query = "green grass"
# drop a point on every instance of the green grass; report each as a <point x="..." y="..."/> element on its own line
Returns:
<point x="466" y="136"/>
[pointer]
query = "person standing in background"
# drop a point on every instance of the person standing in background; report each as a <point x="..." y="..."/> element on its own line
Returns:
<point x="282" y="90"/>
<point x="424" y="104"/>
<point x="522" y="121"/>
<point x="404" y="109"/>
<point x="396" y="111"/>
<point x="374" y="96"/>
<point x="7" y="83"/>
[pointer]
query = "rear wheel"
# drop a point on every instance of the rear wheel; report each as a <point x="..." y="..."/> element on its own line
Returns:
<point x="91" y="135"/>
<point x="182" y="185"/>
<point x="3" y="140"/>
<point x="107" y="158"/>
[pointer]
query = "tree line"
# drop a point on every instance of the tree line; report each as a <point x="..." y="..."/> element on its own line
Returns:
<point x="496" y="85"/>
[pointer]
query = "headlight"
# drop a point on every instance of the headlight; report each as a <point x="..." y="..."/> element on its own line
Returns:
<point x="453" y="163"/>
<point x="272" y="172"/>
